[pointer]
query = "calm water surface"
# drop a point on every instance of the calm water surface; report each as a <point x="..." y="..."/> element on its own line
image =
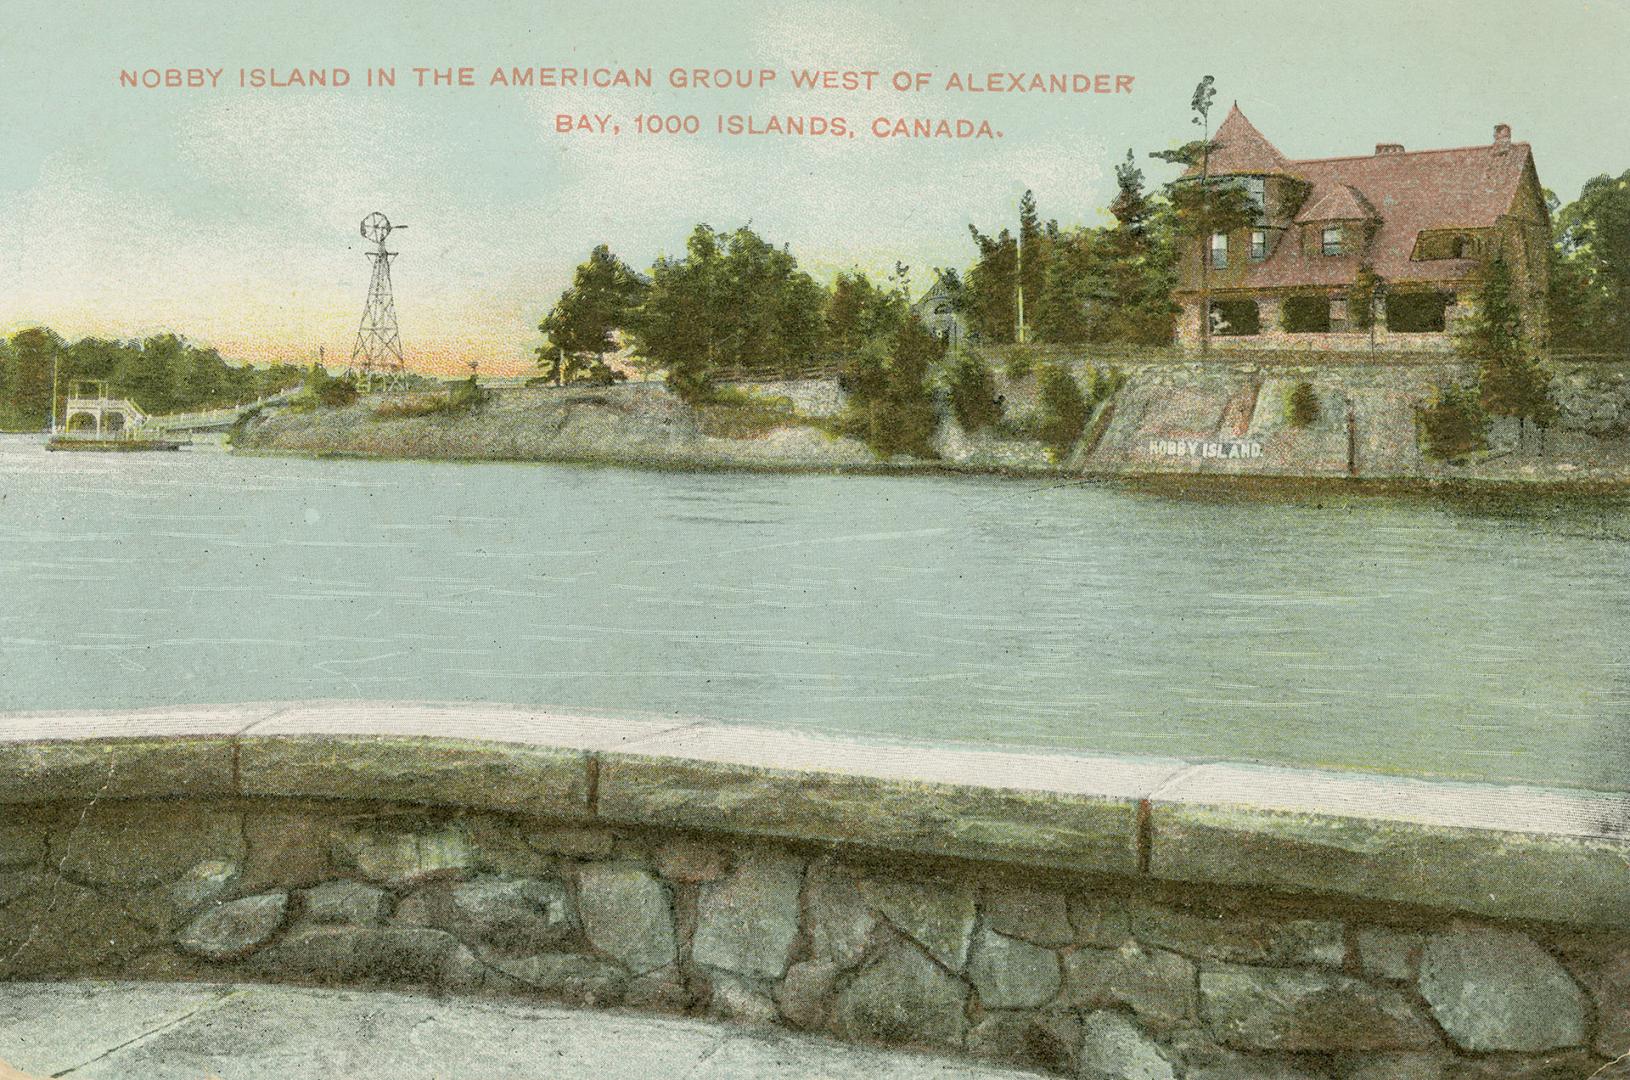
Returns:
<point x="1400" y="634"/>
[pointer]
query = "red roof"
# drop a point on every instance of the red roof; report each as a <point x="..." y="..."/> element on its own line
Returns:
<point x="1340" y="202"/>
<point x="1242" y="150"/>
<point x="1469" y="187"/>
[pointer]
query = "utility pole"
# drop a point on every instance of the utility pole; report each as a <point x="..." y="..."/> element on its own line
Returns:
<point x="1020" y="279"/>
<point x="1202" y="104"/>
<point x="56" y="362"/>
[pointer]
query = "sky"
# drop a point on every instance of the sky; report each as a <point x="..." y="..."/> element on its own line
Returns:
<point x="230" y="215"/>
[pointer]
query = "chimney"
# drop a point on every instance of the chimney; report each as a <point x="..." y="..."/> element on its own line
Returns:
<point x="1502" y="137"/>
<point x="1388" y="148"/>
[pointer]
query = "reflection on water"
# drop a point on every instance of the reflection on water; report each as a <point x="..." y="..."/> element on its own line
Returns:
<point x="1470" y="636"/>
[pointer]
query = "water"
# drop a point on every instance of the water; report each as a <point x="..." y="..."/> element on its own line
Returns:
<point x="1399" y="634"/>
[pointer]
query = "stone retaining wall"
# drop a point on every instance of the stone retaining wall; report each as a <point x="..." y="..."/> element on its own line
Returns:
<point x="1091" y="917"/>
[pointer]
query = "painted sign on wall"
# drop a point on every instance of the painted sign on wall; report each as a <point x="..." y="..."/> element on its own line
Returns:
<point x="1203" y="448"/>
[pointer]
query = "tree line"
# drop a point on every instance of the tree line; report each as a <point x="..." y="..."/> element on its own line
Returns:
<point x="164" y="373"/>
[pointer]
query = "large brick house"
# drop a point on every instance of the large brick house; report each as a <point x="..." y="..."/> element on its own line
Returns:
<point x="1421" y="222"/>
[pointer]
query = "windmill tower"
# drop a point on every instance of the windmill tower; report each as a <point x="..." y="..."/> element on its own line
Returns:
<point x="378" y="351"/>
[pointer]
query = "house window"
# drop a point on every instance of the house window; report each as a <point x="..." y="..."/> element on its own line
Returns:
<point x="1259" y="244"/>
<point x="1306" y="314"/>
<point x="1418" y="312"/>
<point x="1332" y="240"/>
<point x="1257" y="187"/>
<point x="1442" y="245"/>
<point x="1235" y="318"/>
<point x="1219" y="250"/>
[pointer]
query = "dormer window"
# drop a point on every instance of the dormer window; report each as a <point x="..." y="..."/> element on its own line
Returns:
<point x="1259" y="244"/>
<point x="1219" y="250"/>
<point x="1446" y="244"/>
<point x="1332" y="240"/>
<point x="1257" y="188"/>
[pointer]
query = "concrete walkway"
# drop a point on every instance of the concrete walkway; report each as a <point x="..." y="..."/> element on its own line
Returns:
<point x="174" y="1031"/>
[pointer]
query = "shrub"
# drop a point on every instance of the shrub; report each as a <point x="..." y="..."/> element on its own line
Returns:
<point x="1021" y="364"/>
<point x="1064" y="410"/>
<point x="1453" y="424"/>
<point x="1302" y="407"/>
<point x="1104" y="384"/>
<point x="973" y="395"/>
<point x="461" y="398"/>
<point x="336" y="393"/>
<point x="730" y="412"/>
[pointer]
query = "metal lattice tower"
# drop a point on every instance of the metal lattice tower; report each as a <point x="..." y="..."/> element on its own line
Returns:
<point x="378" y="351"/>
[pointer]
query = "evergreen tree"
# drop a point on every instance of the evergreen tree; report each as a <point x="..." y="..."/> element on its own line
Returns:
<point x="1074" y="290"/>
<point x="1113" y="284"/>
<point x="974" y="402"/>
<point x="601" y="300"/>
<point x="1033" y="256"/>
<point x="33" y="353"/>
<point x="682" y="325"/>
<point x="890" y="404"/>
<point x="734" y="300"/>
<point x="992" y="287"/>
<point x="1131" y="207"/>
<point x="858" y="311"/>
<point x="1302" y="407"/>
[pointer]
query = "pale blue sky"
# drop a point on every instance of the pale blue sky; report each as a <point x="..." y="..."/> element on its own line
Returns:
<point x="231" y="215"/>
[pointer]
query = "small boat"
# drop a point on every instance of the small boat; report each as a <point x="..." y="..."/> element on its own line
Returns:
<point x="65" y="441"/>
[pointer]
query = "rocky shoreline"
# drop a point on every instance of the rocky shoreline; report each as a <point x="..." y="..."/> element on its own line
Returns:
<point x="1224" y="420"/>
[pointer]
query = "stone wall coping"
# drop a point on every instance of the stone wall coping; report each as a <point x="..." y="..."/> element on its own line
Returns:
<point x="1063" y="772"/>
<point x="1502" y="850"/>
<point x="1440" y="803"/>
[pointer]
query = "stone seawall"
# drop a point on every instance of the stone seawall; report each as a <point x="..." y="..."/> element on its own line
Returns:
<point x="1083" y="916"/>
<point x="1231" y="417"/>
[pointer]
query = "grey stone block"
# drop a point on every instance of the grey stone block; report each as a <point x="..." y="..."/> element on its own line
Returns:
<point x="581" y="980"/>
<point x="1114" y="1048"/>
<point x="903" y="997"/>
<point x="627" y="914"/>
<point x="840" y="922"/>
<point x="515" y="913"/>
<point x="431" y="770"/>
<point x="1012" y="974"/>
<point x="233" y="930"/>
<point x="414" y="956"/>
<point x="1494" y="990"/>
<point x="747" y="921"/>
<point x="1241" y="939"/>
<point x="1039" y="916"/>
<point x="1157" y="985"/>
<point x="1504" y="851"/>
<point x="804" y="994"/>
<point x="347" y="903"/>
<point x="401" y="852"/>
<point x="1040" y="810"/>
<point x="938" y="915"/>
<point x="1251" y="1008"/>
